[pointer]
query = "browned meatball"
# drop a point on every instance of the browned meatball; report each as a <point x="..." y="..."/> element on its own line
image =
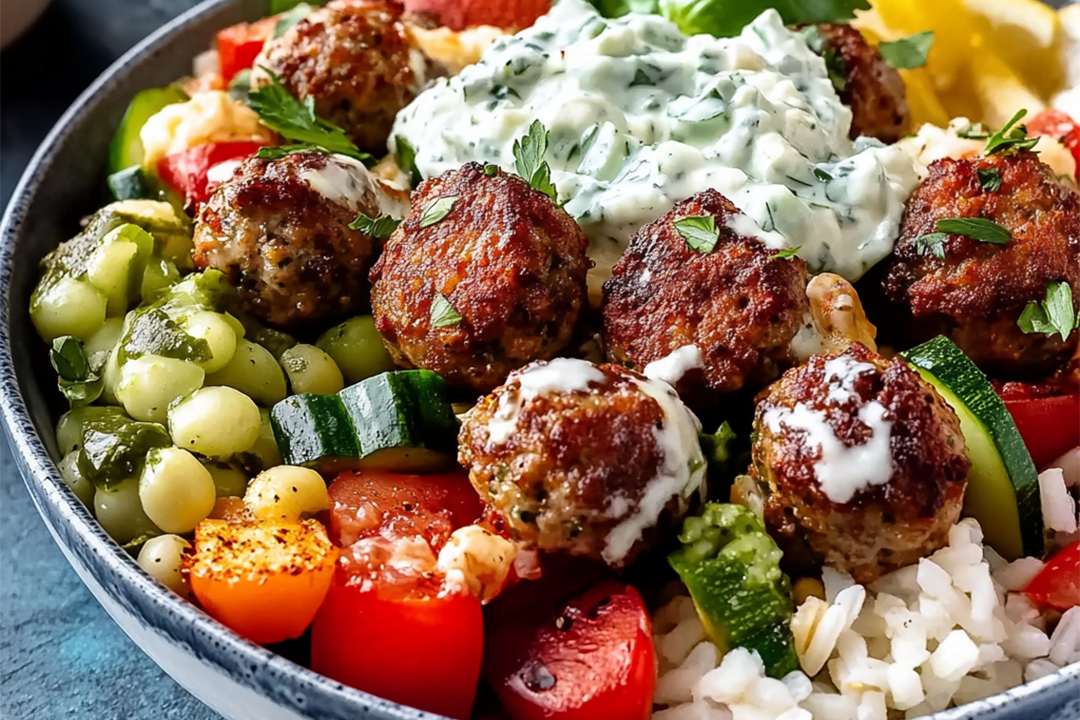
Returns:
<point x="583" y="458"/>
<point x="279" y="229"/>
<point x="356" y="60"/>
<point x="862" y="459"/>
<point x="495" y="283"/>
<point x="975" y="294"/>
<point x="866" y="83"/>
<point x="738" y="305"/>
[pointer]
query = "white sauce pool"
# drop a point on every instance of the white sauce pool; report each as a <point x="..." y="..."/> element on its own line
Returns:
<point x="641" y="116"/>
<point x="841" y="471"/>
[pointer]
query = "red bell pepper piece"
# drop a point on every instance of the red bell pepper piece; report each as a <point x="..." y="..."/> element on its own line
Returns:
<point x="1060" y="125"/>
<point x="1058" y="583"/>
<point x="239" y="45"/>
<point x="1047" y="416"/>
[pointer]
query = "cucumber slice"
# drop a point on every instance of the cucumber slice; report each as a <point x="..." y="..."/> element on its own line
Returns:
<point x="1003" y="487"/>
<point x="403" y="409"/>
<point x="398" y="421"/>
<point x="127" y="147"/>
<point x="315" y="431"/>
<point x="130" y="184"/>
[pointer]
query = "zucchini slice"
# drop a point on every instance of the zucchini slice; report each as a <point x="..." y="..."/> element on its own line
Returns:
<point x="398" y="421"/>
<point x="1003" y="487"/>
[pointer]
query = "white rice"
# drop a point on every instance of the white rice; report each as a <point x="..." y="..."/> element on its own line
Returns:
<point x="949" y="630"/>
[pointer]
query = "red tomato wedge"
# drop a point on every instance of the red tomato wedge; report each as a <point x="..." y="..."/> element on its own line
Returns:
<point x="389" y="625"/>
<point x="1060" y="125"/>
<point x="582" y="655"/>
<point x="239" y="45"/>
<point x="187" y="172"/>
<point x="1058" y="583"/>
<point x="1048" y="421"/>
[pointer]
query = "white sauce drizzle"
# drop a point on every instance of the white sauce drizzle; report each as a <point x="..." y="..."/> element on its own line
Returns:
<point x="222" y="172"/>
<point x="681" y="475"/>
<point x="674" y="366"/>
<point x="841" y="471"/>
<point x="561" y="375"/>
<point x="345" y="181"/>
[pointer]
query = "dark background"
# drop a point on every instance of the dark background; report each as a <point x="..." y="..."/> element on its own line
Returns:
<point x="61" y="656"/>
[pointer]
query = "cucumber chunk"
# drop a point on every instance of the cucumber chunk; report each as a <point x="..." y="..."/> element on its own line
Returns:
<point x="1003" y="486"/>
<point x="314" y="430"/>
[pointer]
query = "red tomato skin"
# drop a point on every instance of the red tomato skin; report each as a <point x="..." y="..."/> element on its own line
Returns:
<point x="432" y="506"/>
<point x="1058" y="583"/>
<point x="586" y="657"/>
<point x="185" y="172"/>
<point x="1049" y="424"/>
<point x="239" y="45"/>
<point x="461" y="14"/>
<point x="418" y="649"/>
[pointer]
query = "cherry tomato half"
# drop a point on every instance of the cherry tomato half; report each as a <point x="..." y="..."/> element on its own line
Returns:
<point x="1058" y="583"/>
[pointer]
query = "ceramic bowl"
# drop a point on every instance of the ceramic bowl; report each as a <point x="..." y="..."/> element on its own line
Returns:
<point x="238" y="679"/>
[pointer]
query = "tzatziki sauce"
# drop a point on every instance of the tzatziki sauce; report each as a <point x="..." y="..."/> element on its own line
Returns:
<point x="641" y="116"/>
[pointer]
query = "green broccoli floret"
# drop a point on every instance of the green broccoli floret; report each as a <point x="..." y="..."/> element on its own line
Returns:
<point x="732" y="569"/>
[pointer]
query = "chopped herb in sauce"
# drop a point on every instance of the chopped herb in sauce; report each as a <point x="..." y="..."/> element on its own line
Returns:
<point x="437" y="210"/>
<point x="699" y="232"/>
<point x="443" y="313"/>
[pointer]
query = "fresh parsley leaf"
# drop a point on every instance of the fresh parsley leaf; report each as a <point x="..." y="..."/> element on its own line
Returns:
<point x="443" y="313"/>
<point x="787" y="253"/>
<point x="1011" y="137"/>
<point x="437" y="210"/>
<point x="836" y="68"/>
<point x="1054" y="315"/>
<point x="529" y="159"/>
<point x="989" y="179"/>
<point x="290" y="18"/>
<point x="934" y="244"/>
<point x="618" y="8"/>
<point x="980" y="229"/>
<point x="699" y="232"/>
<point x="80" y="379"/>
<point x="727" y="18"/>
<point x="405" y="155"/>
<point x="240" y="86"/>
<point x="276" y="153"/>
<point x="297" y="121"/>
<point x="491" y="170"/>
<point x="822" y="175"/>
<point x="379" y="228"/>
<point x="974" y="131"/>
<point x="907" y="53"/>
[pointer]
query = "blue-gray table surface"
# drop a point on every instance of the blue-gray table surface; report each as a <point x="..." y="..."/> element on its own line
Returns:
<point x="61" y="656"/>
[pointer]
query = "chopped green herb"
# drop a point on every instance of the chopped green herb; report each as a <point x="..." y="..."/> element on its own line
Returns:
<point x="437" y="210"/>
<point x="529" y="159"/>
<point x="641" y="78"/>
<point x="1011" y="137"/>
<point x="787" y="253"/>
<point x="380" y="228"/>
<point x="1054" y="315"/>
<point x="290" y="18"/>
<point x="727" y="18"/>
<point x="80" y="378"/>
<point x="980" y="229"/>
<point x="907" y="53"/>
<point x="934" y="244"/>
<point x="276" y="153"/>
<point x="297" y="121"/>
<point x="989" y="179"/>
<point x="443" y="313"/>
<point x="240" y="86"/>
<point x="974" y="131"/>
<point x="822" y="175"/>
<point x="405" y="155"/>
<point x="836" y="68"/>
<point x="699" y="232"/>
<point x="491" y="170"/>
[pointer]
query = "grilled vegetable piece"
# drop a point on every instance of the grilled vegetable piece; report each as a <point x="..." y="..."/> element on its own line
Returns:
<point x="263" y="579"/>
<point x="732" y="568"/>
<point x="1003" y="485"/>
<point x="127" y="147"/>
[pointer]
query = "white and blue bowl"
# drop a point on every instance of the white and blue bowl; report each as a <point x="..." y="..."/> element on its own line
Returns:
<point x="238" y="679"/>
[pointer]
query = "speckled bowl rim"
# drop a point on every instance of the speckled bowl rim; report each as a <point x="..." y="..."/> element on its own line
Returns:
<point x="166" y="613"/>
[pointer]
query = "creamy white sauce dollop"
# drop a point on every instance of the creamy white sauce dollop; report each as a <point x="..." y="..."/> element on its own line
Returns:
<point x="345" y="181"/>
<point x="675" y="365"/>
<point x="641" y="116"/>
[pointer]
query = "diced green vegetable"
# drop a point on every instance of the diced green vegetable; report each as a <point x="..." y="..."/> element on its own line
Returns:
<point x="311" y="370"/>
<point x="120" y="513"/>
<point x="127" y="148"/>
<point x="114" y="447"/>
<point x="215" y="421"/>
<point x="732" y="568"/>
<point x="254" y="372"/>
<point x="131" y="183"/>
<point x="229" y="480"/>
<point x="149" y="384"/>
<point x="176" y="491"/>
<point x="357" y="348"/>
<point x="400" y="421"/>
<point x="1003" y="485"/>
<point x="69" y="471"/>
